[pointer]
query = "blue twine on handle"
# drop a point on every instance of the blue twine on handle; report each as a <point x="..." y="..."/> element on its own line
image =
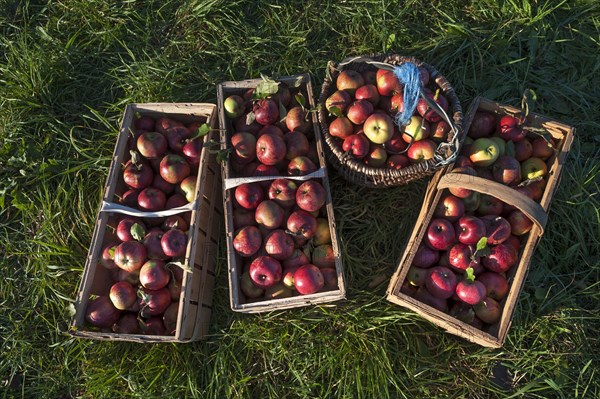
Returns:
<point x="408" y="74"/>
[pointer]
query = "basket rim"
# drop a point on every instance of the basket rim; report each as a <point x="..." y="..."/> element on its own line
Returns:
<point x="360" y="173"/>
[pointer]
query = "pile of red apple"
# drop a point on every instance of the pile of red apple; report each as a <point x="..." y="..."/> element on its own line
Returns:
<point x="362" y="112"/>
<point x="283" y="239"/>
<point x="272" y="132"/>
<point x="165" y="156"/>
<point x="144" y="263"/>
<point x="474" y="240"/>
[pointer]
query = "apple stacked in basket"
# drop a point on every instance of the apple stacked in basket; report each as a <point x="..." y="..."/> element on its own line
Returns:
<point x="282" y="234"/>
<point x="502" y="149"/>
<point x="362" y="117"/>
<point x="165" y="155"/>
<point x="145" y="264"/>
<point x="474" y="240"/>
<point x="272" y="132"/>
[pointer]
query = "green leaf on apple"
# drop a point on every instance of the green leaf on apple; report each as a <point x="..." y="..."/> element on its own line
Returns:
<point x="201" y="131"/>
<point x="250" y="117"/>
<point x="181" y="265"/>
<point x="481" y="249"/>
<point x="111" y="251"/>
<point x="222" y="155"/>
<point x="481" y="244"/>
<point x="137" y="232"/>
<point x="527" y="103"/>
<point x="300" y="100"/>
<point x="336" y="111"/>
<point x="282" y="112"/>
<point x="267" y="88"/>
<point x="135" y="158"/>
<point x="470" y="274"/>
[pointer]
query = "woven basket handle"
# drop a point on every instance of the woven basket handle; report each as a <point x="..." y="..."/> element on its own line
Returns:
<point x="454" y="144"/>
<point x="532" y="209"/>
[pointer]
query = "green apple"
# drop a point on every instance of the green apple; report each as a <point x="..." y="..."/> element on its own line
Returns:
<point x="484" y="152"/>
<point x="234" y="106"/>
<point x="472" y="201"/>
<point x="379" y="128"/>
<point x="501" y="144"/>
<point x="416" y="130"/>
<point x="532" y="168"/>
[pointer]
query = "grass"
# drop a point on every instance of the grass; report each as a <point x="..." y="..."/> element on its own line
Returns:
<point x="68" y="68"/>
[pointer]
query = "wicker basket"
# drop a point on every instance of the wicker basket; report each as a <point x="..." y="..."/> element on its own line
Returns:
<point x="359" y="173"/>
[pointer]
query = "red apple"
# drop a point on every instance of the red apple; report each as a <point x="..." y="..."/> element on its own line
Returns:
<point x="495" y="284"/>
<point x="297" y="259"/>
<point x="266" y="111"/>
<point x="144" y="122"/>
<point x="323" y="256"/>
<point x="269" y="215"/>
<point x="177" y="137"/>
<point x="279" y="245"/>
<point x="247" y="241"/>
<point x="138" y="174"/>
<point x="469" y="290"/>
<point x="130" y="255"/>
<point x="242" y="125"/>
<point x="330" y="277"/>
<point x="483" y="124"/>
<point x="187" y="187"/>
<point x="174" y="243"/>
<point x="441" y="282"/>
<point x="249" y="195"/>
<point x="244" y="145"/>
<point x="470" y="229"/>
<point x="357" y="145"/>
<point x="460" y="257"/>
<point x="387" y="83"/>
<point x="421" y="150"/>
<point x="367" y="92"/>
<point x="489" y="205"/>
<point x="152" y="199"/>
<point x="523" y="150"/>
<point x="377" y="156"/>
<point x="462" y="174"/>
<point x="300" y="166"/>
<point x="497" y="229"/>
<point x="302" y="224"/>
<point x="270" y="149"/>
<point x="425" y="257"/>
<point x="339" y="99"/>
<point x="449" y="207"/>
<point x="296" y="120"/>
<point x="308" y="279"/>
<point x="397" y="161"/>
<point x="428" y="113"/>
<point x="174" y="168"/>
<point x="440" y="234"/>
<point x="311" y="196"/>
<point x="265" y="271"/>
<point x="296" y="144"/>
<point x="122" y="295"/>
<point x="341" y="127"/>
<point x="520" y="223"/>
<point x="507" y="170"/>
<point x="349" y="81"/>
<point x="154" y="275"/>
<point x="243" y="217"/>
<point x="152" y="243"/>
<point x="542" y="148"/>
<point x="488" y="310"/>
<point x="359" y="111"/>
<point x="510" y="129"/>
<point x="152" y="144"/>
<point x="396" y="104"/>
<point x="501" y="258"/>
<point x="100" y="312"/>
<point x="423" y="295"/>
<point x="283" y="191"/>
<point x="165" y="123"/>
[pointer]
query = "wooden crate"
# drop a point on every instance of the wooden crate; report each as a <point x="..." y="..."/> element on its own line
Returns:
<point x="238" y="301"/>
<point x="495" y="335"/>
<point x="195" y="302"/>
